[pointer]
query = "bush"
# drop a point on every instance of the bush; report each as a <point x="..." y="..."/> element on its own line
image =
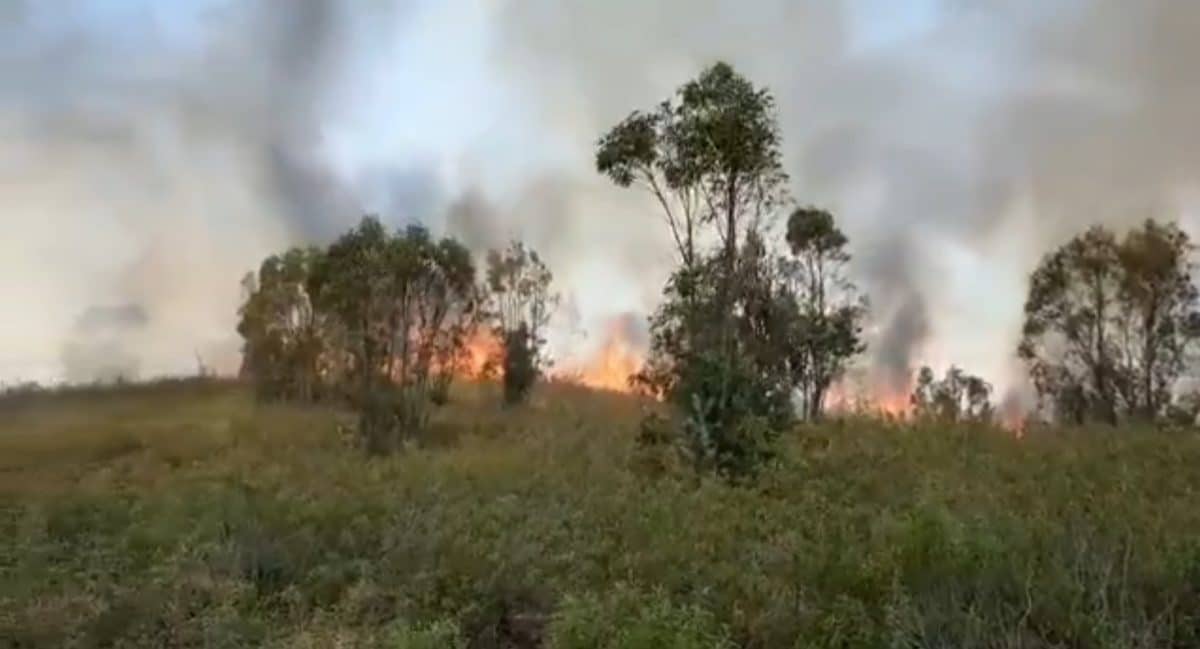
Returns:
<point x="731" y="416"/>
<point x="390" y="417"/>
<point x="627" y="619"/>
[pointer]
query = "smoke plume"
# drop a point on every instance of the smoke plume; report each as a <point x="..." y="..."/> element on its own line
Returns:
<point x="955" y="148"/>
<point x="152" y="153"/>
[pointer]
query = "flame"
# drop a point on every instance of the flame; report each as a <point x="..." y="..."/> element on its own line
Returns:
<point x="879" y="399"/>
<point x="1013" y="418"/>
<point x="619" y="357"/>
<point x="481" y="351"/>
<point x="608" y="369"/>
<point x="611" y="366"/>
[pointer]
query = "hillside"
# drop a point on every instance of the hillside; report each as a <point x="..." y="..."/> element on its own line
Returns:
<point x="185" y="515"/>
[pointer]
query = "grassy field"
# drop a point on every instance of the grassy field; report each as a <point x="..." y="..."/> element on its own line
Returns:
<point x="185" y="515"/>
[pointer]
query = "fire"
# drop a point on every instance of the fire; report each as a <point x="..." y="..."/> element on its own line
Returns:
<point x="608" y="369"/>
<point x="877" y="399"/>
<point x="611" y="366"/>
<point x="893" y="404"/>
<point x="482" y="350"/>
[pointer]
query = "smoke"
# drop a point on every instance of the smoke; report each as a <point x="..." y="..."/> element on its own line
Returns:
<point x="150" y="154"/>
<point x="98" y="348"/>
<point x="956" y="142"/>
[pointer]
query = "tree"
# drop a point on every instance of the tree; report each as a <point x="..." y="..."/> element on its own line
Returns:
<point x="828" y="330"/>
<point x="957" y="397"/>
<point x="520" y="304"/>
<point x="1158" y="307"/>
<point x="406" y="304"/>
<point x="1068" y="337"/>
<point x="1108" y="323"/>
<point x="351" y="284"/>
<point x="710" y="156"/>
<point x="285" y="338"/>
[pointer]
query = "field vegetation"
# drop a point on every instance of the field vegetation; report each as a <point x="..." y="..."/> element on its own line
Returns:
<point x="189" y="514"/>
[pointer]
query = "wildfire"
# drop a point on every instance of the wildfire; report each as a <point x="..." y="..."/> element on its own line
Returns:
<point x="482" y="350"/>
<point x="608" y="369"/>
<point x="878" y="399"/>
<point x="893" y="404"/>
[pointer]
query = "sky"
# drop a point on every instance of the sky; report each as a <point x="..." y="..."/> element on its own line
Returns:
<point x="153" y="152"/>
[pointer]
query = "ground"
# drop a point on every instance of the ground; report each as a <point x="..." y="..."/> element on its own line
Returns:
<point x="184" y="514"/>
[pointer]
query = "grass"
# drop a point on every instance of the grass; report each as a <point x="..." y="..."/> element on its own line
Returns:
<point x="186" y="515"/>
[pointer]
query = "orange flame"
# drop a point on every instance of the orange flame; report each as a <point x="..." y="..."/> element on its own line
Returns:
<point x="611" y="366"/>
<point x="608" y="369"/>
<point x="482" y="350"/>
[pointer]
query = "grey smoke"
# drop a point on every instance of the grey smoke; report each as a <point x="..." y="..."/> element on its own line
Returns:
<point x="99" y="348"/>
<point x="997" y="130"/>
<point x="153" y="165"/>
<point x="987" y="134"/>
<point x="893" y="354"/>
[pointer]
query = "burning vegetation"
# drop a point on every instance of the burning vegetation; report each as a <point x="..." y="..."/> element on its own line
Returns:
<point x="752" y="333"/>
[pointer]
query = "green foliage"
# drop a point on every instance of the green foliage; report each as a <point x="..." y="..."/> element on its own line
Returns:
<point x="740" y="328"/>
<point x="710" y="156"/>
<point x="728" y="406"/>
<point x="1108" y="323"/>
<point x="520" y="304"/>
<point x="231" y="523"/>
<point x="624" y="618"/>
<point x="376" y="318"/>
<point x="288" y="346"/>
<point x="730" y="415"/>
<point x="525" y="523"/>
<point x="826" y="333"/>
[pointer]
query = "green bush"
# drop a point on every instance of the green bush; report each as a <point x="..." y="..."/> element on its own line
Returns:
<point x="729" y="415"/>
<point x="529" y="527"/>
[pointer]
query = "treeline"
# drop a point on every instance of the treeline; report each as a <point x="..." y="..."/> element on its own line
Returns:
<point x="758" y="318"/>
<point x="755" y="328"/>
<point x="381" y="320"/>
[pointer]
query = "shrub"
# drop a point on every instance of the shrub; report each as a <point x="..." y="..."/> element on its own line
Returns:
<point x="391" y="417"/>
<point x="731" y="415"/>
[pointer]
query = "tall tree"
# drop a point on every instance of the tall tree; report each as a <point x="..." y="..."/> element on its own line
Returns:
<point x="520" y="303"/>
<point x="1158" y="304"/>
<point x="406" y="303"/>
<point x="1108" y="322"/>
<point x="285" y="339"/>
<point x="352" y="284"/>
<point x="434" y="307"/>
<point x="711" y="156"/>
<point x="1068" y="336"/>
<point x="828" y="331"/>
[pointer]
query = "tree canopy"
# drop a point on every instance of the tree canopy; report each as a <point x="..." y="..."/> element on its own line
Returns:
<point x="1108" y="323"/>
